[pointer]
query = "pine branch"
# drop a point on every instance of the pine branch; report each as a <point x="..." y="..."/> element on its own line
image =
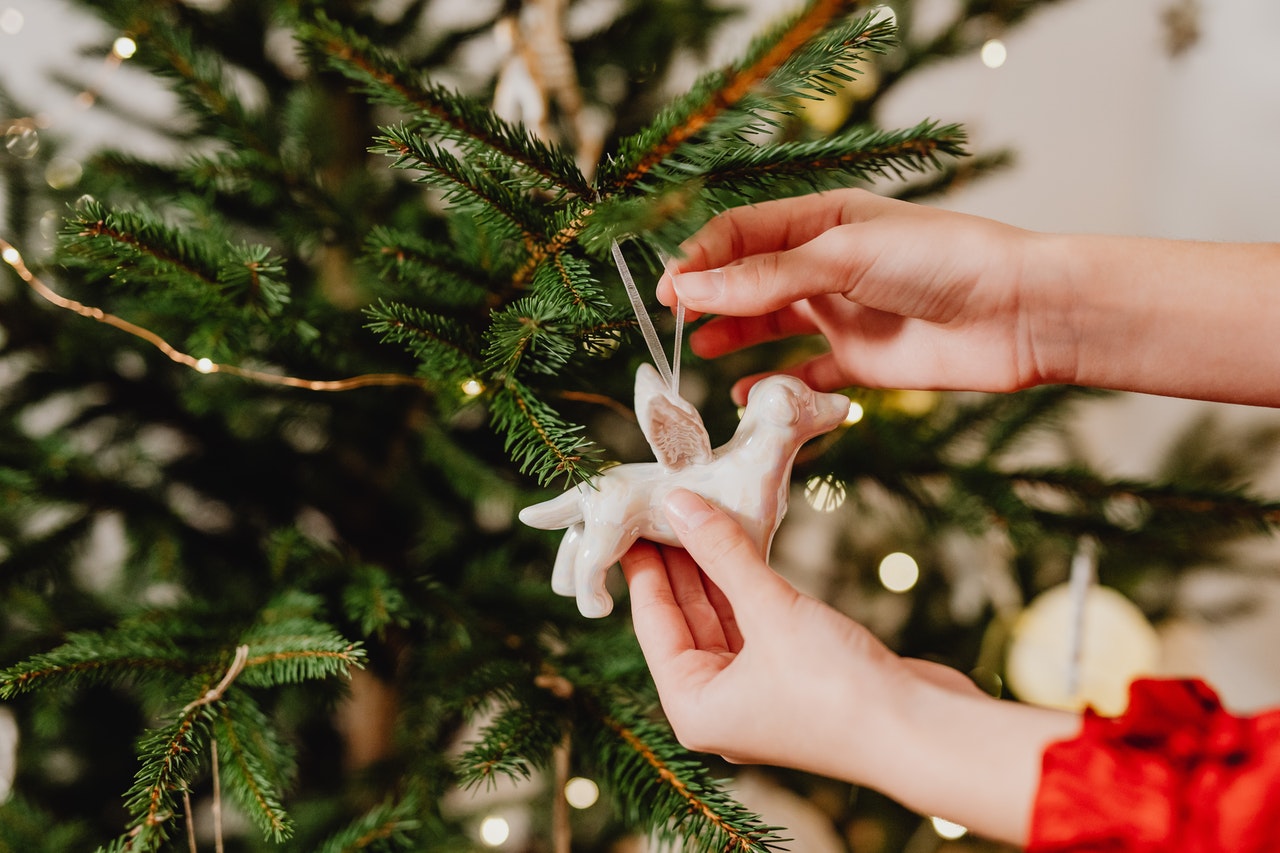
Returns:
<point x="306" y="650"/>
<point x="856" y="156"/>
<point x="660" y="788"/>
<point x="569" y="224"/>
<point x="387" y="827"/>
<point x="461" y="182"/>
<point x="445" y="346"/>
<point x="430" y="266"/>
<point x="1194" y="505"/>
<point x="953" y="176"/>
<point x="533" y="332"/>
<point x="373" y="600"/>
<point x="569" y="281"/>
<point x="199" y="74"/>
<point x="128" y="654"/>
<point x="387" y="79"/>
<point x="538" y="439"/>
<point x="520" y="740"/>
<point x="169" y="758"/>
<point x="998" y="421"/>
<point x="255" y="764"/>
<point x="137" y="245"/>
<point x="715" y="93"/>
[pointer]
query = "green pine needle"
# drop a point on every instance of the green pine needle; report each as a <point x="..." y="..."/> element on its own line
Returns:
<point x="539" y="440"/>
<point x="661" y="788"/>
<point x="389" y="826"/>
<point x="441" y="112"/>
<point x="255" y="765"/>
<point x="463" y="183"/>
<point x="431" y="268"/>
<point x="445" y="346"/>
<point x="517" y="742"/>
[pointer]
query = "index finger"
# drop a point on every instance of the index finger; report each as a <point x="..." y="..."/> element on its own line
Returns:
<point x="772" y="226"/>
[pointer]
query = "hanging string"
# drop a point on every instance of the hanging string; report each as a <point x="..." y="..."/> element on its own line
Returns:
<point x="675" y="355"/>
<point x="1084" y="572"/>
<point x="642" y="316"/>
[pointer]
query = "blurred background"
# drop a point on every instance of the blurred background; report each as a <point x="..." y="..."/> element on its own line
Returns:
<point x="1147" y="117"/>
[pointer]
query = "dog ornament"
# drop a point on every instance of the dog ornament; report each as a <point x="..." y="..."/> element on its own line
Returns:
<point x="748" y="477"/>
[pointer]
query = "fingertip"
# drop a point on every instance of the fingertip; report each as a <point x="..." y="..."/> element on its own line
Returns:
<point x="665" y="289"/>
<point x="742" y="388"/>
<point x="699" y="288"/>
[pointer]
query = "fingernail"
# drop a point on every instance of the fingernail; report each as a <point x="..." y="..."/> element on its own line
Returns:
<point x="699" y="286"/>
<point x="686" y="510"/>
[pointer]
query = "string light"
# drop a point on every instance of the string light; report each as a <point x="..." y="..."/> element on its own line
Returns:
<point x="948" y="830"/>
<point x="994" y="53"/>
<point x="581" y="793"/>
<point x="899" y="572"/>
<point x="494" y="831"/>
<point x="855" y="413"/>
<point x="11" y="256"/>
<point x="124" y="48"/>
<point x="21" y="139"/>
<point x="824" y="492"/>
<point x="473" y="387"/>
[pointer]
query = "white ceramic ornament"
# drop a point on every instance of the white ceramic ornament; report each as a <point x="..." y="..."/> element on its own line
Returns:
<point x="748" y="477"/>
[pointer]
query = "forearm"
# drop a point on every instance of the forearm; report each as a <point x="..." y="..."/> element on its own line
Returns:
<point x="1177" y="318"/>
<point x="966" y="757"/>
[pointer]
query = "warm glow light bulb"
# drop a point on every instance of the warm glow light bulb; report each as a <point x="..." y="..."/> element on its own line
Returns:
<point x="855" y="413"/>
<point x="948" y="830"/>
<point x="581" y="793"/>
<point x="994" y="53"/>
<point x="899" y="572"/>
<point x="11" y="256"/>
<point x="473" y="387"/>
<point x="494" y="831"/>
<point x="825" y="493"/>
<point x="205" y="365"/>
<point x="124" y="47"/>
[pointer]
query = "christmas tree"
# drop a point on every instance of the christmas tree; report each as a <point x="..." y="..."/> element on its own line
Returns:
<point x="269" y="407"/>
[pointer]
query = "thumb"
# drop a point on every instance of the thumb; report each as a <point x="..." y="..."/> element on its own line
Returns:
<point x="724" y="551"/>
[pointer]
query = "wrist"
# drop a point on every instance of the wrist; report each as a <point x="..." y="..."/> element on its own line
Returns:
<point x="1054" y="306"/>
<point x="970" y="758"/>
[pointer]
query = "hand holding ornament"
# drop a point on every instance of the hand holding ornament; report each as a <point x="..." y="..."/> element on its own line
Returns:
<point x="909" y="296"/>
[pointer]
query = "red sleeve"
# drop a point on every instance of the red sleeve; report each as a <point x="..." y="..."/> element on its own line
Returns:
<point x="1175" y="773"/>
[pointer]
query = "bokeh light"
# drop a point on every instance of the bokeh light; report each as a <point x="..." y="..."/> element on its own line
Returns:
<point x="899" y="572"/>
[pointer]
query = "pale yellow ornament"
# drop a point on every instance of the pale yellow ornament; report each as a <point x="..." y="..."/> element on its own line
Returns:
<point x="1118" y="644"/>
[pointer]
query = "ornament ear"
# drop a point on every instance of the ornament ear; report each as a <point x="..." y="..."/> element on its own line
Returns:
<point x="781" y="406"/>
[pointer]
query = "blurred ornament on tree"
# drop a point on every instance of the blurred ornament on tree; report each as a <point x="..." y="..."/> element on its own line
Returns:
<point x="1118" y="644"/>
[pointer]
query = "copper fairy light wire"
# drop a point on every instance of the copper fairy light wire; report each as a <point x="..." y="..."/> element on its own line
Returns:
<point x="11" y="256"/>
<point x="123" y="49"/>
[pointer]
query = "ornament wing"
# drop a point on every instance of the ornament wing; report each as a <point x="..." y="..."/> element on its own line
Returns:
<point x="671" y="424"/>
